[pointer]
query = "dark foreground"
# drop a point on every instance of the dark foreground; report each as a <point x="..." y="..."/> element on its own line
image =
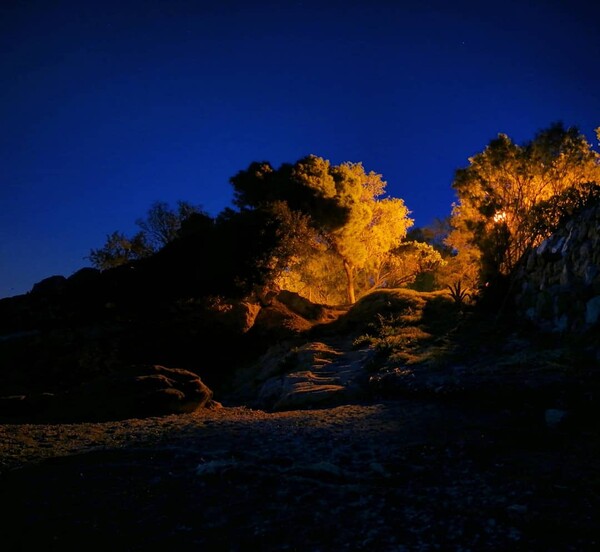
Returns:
<point x="394" y="476"/>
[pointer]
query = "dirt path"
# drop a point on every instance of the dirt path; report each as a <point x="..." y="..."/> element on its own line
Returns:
<point x="393" y="476"/>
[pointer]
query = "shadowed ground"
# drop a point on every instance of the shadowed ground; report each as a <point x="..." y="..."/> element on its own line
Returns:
<point x="401" y="475"/>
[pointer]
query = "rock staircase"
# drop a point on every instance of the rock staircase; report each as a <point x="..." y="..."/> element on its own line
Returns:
<point x="316" y="374"/>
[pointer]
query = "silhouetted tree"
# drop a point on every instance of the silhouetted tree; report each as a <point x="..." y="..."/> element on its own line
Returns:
<point x="119" y="250"/>
<point x="160" y="227"/>
<point x="162" y="223"/>
<point x="253" y="246"/>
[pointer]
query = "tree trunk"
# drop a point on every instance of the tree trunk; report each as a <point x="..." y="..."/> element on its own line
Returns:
<point x="349" y="282"/>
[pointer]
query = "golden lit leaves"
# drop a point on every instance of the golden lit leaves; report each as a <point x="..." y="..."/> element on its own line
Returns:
<point x="314" y="173"/>
<point x="348" y="253"/>
<point x="501" y="186"/>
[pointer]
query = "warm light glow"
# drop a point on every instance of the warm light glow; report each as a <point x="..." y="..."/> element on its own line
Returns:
<point x="500" y="217"/>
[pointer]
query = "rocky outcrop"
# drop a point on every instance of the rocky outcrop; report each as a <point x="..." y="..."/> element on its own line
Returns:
<point x="236" y="317"/>
<point x="134" y="392"/>
<point x="140" y="391"/>
<point x="558" y="283"/>
<point x="312" y="375"/>
<point x="277" y="322"/>
<point x="302" y="306"/>
<point x="54" y="285"/>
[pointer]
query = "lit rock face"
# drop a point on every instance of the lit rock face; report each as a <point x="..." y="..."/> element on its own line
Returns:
<point x="314" y="375"/>
<point x="558" y="283"/>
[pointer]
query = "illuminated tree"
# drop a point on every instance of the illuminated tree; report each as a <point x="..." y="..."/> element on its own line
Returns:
<point x="316" y="277"/>
<point x="464" y="264"/>
<point x="546" y="215"/>
<point x="349" y="228"/>
<point x="404" y="263"/>
<point x="373" y="228"/>
<point x="500" y="188"/>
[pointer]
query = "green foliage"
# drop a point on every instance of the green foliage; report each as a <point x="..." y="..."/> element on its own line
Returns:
<point x="368" y="310"/>
<point x="393" y="333"/>
<point x="348" y="231"/>
<point x="502" y="187"/>
<point x="434" y="234"/>
<point x="305" y="187"/>
<point x="411" y="328"/>
<point x="456" y="261"/>
<point x="407" y="261"/>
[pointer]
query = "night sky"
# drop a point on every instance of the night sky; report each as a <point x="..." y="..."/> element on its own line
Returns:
<point x="107" y="106"/>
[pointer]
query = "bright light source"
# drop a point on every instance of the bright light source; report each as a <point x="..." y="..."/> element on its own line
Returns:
<point x="500" y="216"/>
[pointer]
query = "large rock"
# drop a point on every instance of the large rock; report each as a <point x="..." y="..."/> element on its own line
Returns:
<point x="52" y="286"/>
<point x="134" y="392"/>
<point x="277" y="322"/>
<point x="312" y="375"/>
<point x="140" y="391"/>
<point x="236" y="317"/>
<point x="302" y="306"/>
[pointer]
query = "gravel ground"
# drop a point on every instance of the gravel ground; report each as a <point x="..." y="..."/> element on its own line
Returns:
<point x="400" y="475"/>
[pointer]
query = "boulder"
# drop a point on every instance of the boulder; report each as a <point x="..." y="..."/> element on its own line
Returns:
<point x="136" y="392"/>
<point x="52" y="286"/>
<point x="85" y="283"/>
<point x="277" y="322"/>
<point x="311" y="376"/>
<point x="301" y="306"/>
<point x="235" y="317"/>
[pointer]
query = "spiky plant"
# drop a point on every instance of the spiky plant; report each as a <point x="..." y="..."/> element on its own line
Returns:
<point x="459" y="293"/>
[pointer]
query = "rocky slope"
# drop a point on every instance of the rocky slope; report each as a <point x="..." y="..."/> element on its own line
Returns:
<point x="420" y="423"/>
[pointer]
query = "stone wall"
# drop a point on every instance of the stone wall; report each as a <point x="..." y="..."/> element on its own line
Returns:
<point x="558" y="283"/>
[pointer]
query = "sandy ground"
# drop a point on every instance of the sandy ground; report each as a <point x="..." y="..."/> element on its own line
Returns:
<point x="399" y="475"/>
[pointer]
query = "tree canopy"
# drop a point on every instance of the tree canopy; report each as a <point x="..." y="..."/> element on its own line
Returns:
<point x="330" y="233"/>
<point x="163" y="223"/>
<point x="161" y="226"/>
<point x="348" y="230"/>
<point x="499" y="191"/>
<point x="119" y="250"/>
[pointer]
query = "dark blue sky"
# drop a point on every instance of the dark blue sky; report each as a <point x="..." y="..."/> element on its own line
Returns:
<point x="106" y="107"/>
